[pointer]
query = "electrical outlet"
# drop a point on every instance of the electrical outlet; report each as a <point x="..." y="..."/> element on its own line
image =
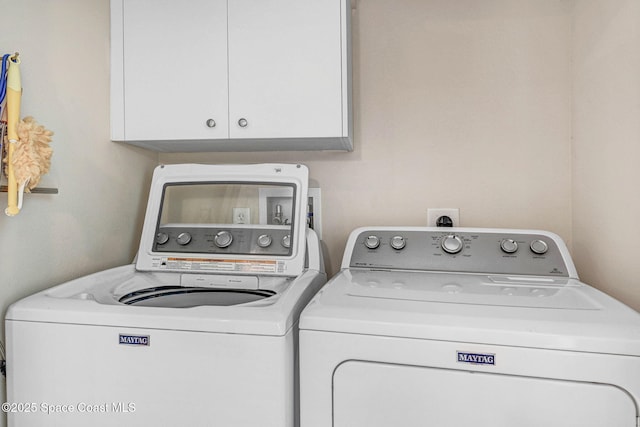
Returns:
<point x="434" y="214"/>
<point x="241" y="215"/>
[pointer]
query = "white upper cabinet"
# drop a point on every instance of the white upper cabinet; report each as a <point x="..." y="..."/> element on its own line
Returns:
<point x="284" y="68"/>
<point x="174" y="68"/>
<point x="240" y="75"/>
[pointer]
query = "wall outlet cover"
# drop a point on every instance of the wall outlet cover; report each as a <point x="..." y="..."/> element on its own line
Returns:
<point x="434" y="214"/>
<point x="241" y="215"/>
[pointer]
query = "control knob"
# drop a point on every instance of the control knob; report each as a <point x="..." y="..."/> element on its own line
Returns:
<point x="286" y="241"/>
<point x="539" y="247"/>
<point x="372" y="242"/>
<point x="183" y="238"/>
<point x="264" y="241"/>
<point x="162" y="238"/>
<point x="398" y="242"/>
<point x="509" y="246"/>
<point x="452" y="244"/>
<point x="223" y="239"/>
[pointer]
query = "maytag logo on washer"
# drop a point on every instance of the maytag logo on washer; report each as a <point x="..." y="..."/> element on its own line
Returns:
<point x="476" y="358"/>
<point x="134" y="340"/>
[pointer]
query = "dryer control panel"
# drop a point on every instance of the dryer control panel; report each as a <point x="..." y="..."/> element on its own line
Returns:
<point x="459" y="250"/>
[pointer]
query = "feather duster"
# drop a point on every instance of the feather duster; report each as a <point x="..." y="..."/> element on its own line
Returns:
<point x="32" y="154"/>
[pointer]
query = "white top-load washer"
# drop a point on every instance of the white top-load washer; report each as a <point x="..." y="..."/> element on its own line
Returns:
<point x="466" y="327"/>
<point x="201" y="331"/>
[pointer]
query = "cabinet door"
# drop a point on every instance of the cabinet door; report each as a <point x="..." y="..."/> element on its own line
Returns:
<point x="285" y="68"/>
<point x="175" y="69"/>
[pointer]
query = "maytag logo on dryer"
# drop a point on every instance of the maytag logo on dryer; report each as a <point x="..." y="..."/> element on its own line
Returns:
<point x="140" y="340"/>
<point x="476" y="358"/>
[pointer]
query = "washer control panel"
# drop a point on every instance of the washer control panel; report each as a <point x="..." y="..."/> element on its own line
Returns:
<point x="255" y="240"/>
<point x="459" y="250"/>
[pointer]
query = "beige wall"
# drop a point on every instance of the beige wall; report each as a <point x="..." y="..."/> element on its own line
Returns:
<point x="606" y="146"/>
<point x="93" y="223"/>
<point x="461" y="104"/>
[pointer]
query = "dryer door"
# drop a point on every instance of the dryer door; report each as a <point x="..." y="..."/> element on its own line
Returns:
<point x="368" y="394"/>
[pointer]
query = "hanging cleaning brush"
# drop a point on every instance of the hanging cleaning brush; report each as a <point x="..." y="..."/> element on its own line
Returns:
<point x="28" y="154"/>
<point x="31" y="156"/>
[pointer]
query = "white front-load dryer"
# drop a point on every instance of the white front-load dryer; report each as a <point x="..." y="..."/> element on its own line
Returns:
<point x="466" y="327"/>
<point x="201" y="331"/>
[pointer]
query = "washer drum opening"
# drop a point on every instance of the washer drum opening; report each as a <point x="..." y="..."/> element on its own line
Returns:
<point x="186" y="297"/>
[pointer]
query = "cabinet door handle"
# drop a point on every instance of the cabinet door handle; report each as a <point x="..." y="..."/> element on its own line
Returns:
<point x="243" y="122"/>
<point x="211" y="123"/>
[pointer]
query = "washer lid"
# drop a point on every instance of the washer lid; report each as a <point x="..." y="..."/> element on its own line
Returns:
<point x="505" y="291"/>
<point x="231" y="219"/>
<point x="516" y="311"/>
